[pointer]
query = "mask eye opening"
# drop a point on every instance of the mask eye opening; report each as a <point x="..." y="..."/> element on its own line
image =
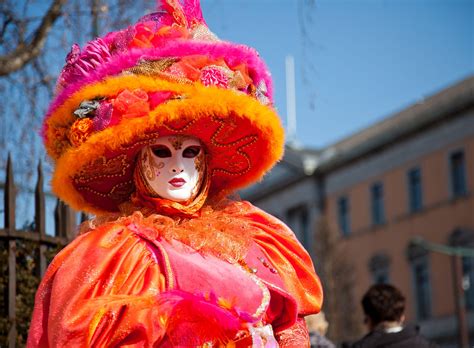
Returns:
<point x="161" y="151"/>
<point x="191" y="151"/>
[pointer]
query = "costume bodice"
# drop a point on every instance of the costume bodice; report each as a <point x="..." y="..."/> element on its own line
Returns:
<point x="253" y="286"/>
<point x="108" y="287"/>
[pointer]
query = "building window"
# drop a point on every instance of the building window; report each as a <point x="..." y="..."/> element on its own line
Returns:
<point x="468" y="281"/>
<point x="378" y="214"/>
<point x="379" y="267"/>
<point x="344" y="215"/>
<point x="458" y="173"/>
<point x="415" y="193"/>
<point x="298" y="220"/>
<point x="381" y="277"/>
<point x="421" y="284"/>
<point x="418" y="258"/>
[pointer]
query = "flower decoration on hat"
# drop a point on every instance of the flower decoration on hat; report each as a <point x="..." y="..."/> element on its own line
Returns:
<point x="80" y="131"/>
<point x="167" y="74"/>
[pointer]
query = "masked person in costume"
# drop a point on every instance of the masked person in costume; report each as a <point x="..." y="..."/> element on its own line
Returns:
<point x="150" y="129"/>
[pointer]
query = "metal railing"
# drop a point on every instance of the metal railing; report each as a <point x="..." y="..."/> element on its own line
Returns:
<point x="10" y="237"/>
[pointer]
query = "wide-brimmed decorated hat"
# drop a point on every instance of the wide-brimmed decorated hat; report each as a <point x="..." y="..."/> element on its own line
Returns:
<point x="166" y="75"/>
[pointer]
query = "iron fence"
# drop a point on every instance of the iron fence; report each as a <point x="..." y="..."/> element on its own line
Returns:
<point x="11" y="237"/>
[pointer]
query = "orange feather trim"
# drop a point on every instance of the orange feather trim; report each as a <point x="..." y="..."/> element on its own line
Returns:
<point x="244" y="137"/>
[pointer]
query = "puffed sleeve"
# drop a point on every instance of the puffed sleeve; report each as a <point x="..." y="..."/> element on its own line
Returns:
<point x="288" y="256"/>
<point x="98" y="292"/>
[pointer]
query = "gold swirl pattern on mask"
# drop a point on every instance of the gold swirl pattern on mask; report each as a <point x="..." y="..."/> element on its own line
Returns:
<point x="159" y="165"/>
<point x="200" y="161"/>
<point x="200" y="164"/>
<point x="153" y="166"/>
<point x="144" y="169"/>
<point x="146" y="163"/>
<point x="177" y="141"/>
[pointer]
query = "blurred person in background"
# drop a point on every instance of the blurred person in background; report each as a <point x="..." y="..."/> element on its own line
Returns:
<point x="384" y="308"/>
<point x="318" y="327"/>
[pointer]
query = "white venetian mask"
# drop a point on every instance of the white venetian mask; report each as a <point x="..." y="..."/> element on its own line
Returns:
<point x="172" y="167"/>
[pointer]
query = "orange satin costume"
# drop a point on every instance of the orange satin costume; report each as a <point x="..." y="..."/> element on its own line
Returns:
<point x="104" y="289"/>
<point x="199" y="273"/>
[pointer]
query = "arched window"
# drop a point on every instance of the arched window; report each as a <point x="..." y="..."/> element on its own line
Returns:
<point x="419" y="260"/>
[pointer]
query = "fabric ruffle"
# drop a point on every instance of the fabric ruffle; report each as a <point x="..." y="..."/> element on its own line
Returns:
<point x="110" y="288"/>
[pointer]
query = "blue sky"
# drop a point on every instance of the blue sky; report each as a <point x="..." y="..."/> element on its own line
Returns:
<point x="361" y="61"/>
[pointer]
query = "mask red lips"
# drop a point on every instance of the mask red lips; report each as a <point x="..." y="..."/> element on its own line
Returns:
<point x="177" y="182"/>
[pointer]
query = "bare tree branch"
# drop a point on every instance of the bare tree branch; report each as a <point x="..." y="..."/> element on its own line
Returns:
<point x="44" y="78"/>
<point x="8" y="19"/>
<point x="25" y="52"/>
<point x="95" y="8"/>
<point x="338" y="277"/>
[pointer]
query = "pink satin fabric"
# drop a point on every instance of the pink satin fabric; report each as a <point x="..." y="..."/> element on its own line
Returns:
<point x="105" y="289"/>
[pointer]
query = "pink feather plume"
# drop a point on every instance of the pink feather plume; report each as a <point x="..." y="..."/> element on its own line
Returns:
<point x="186" y="12"/>
<point x="192" y="320"/>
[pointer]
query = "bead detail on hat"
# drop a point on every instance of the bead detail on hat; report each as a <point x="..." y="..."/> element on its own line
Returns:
<point x="168" y="74"/>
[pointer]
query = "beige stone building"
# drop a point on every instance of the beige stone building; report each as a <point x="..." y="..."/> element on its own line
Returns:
<point x="408" y="176"/>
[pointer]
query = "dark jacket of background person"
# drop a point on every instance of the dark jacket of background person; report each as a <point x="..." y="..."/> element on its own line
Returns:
<point x="409" y="337"/>
<point x="384" y="310"/>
